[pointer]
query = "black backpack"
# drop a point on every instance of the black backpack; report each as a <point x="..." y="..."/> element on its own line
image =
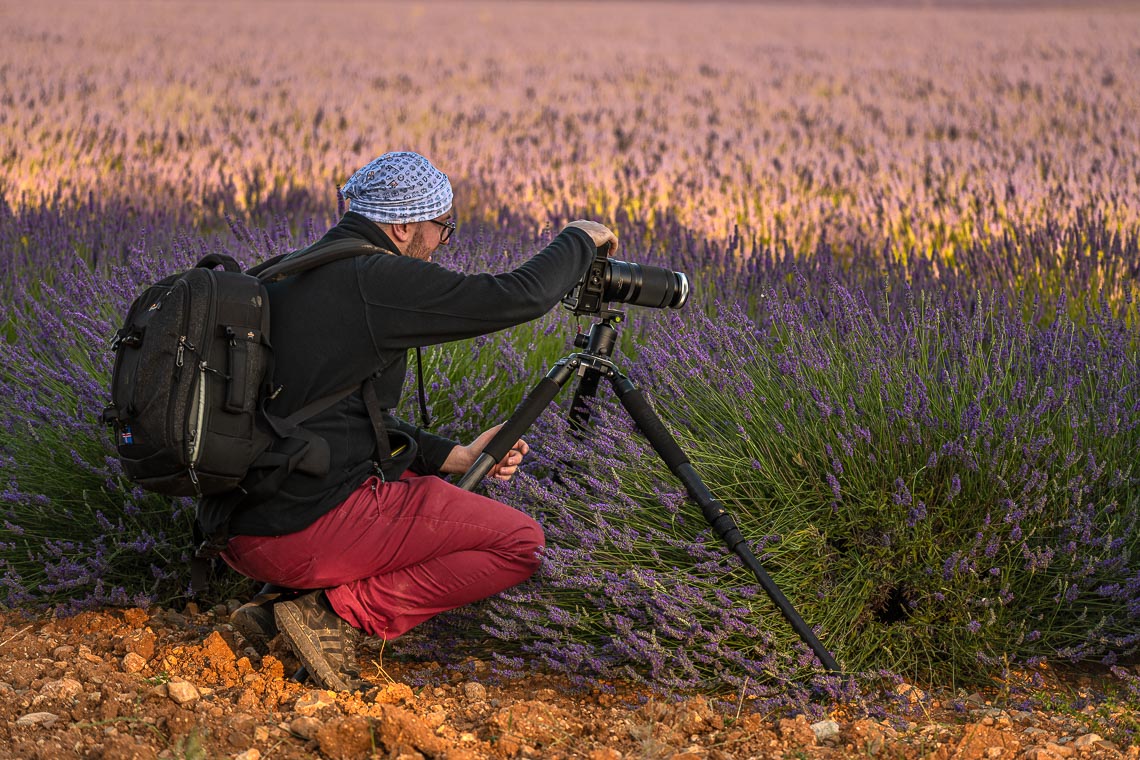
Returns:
<point x="193" y="368"/>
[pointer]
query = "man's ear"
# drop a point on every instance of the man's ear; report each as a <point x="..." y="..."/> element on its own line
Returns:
<point x="401" y="233"/>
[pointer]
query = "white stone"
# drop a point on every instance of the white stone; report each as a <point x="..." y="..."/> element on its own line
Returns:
<point x="182" y="692"/>
<point x="133" y="663"/>
<point x="824" y="730"/>
<point x="64" y="688"/>
<point x="474" y="691"/>
<point x="37" y="719"/>
<point x="306" y="727"/>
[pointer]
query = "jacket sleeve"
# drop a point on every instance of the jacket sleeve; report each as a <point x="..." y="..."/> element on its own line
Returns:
<point x="433" y="449"/>
<point x="417" y="303"/>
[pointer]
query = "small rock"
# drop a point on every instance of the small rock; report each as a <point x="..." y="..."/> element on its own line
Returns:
<point x="825" y="729"/>
<point x="1059" y="750"/>
<point x="474" y="691"/>
<point x="133" y="663"/>
<point x="867" y="736"/>
<point x="313" y="701"/>
<point x="1086" y="741"/>
<point x="182" y="692"/>
<point x="250" y="754"/>
<point x="174" y="618"/>
<point x="61" y="652"/>
<point x="695" y="717"/>
<point x="796" y="731"/>
<point x="345" y="738"/>
<point x="436" y="717"/>
<point x="305" y="727"/>
<point x="37" y="719"/>
<point x="605" y="753"/>
<point x="397" y="726"/>
<point x="142" y="642"/>
<point x="69" y="688"/>
<point x="261" y="734"/>
<point x="910" y="693"/>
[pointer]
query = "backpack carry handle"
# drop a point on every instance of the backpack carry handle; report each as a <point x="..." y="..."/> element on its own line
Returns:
<point x="214" y="259"/>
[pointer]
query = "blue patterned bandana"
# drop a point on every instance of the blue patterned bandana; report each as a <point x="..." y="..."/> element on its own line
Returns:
<point x="399" y="188"/>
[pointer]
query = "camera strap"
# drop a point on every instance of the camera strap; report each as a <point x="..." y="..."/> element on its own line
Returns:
<point x="423" y="395"/>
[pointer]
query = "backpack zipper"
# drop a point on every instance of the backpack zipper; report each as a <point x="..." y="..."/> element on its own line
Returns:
<point x="198" y="395"/>
<point x="196" y="433"/>
<point x="180" y="351"/>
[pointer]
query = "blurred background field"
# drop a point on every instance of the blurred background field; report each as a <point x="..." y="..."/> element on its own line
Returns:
<point x="909" y="366"/>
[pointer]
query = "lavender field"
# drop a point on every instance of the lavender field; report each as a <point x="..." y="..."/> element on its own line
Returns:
<point x="909" y="367"/>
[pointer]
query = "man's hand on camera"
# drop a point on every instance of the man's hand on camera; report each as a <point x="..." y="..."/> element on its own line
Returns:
<point x="599" y="233"/>
<point x="462" y="457"/>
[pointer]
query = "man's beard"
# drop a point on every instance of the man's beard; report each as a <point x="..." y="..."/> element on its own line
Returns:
<point x="417" y="248"/>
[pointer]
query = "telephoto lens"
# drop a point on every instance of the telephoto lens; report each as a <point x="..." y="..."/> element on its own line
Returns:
<point x="644" y="285"/>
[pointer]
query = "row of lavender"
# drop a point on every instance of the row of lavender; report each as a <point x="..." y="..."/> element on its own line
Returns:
<point x="928" y="129"/>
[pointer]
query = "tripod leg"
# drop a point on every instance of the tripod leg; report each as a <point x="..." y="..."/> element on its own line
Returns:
<point x="721" y="521"/>
<point x="520" y="420"/>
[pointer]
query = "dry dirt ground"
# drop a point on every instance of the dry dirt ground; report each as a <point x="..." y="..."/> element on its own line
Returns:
<point x="145" y="684"/>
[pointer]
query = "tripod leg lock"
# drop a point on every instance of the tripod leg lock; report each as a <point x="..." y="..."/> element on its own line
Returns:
<point x="725" y="527"/>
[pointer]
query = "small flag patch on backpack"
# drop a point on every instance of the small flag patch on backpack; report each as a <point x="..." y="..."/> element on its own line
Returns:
<point x="126" y="437"/>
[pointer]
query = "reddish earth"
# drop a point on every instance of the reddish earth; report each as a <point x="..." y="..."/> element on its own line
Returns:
<point x="145" y="684"/>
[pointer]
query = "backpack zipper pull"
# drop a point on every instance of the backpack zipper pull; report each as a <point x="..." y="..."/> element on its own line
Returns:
<point x="183" y="344"/>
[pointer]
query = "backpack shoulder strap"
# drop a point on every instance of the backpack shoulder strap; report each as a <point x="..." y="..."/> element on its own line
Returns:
<point x="285" y="427"/>
<point x="311" y="258"/>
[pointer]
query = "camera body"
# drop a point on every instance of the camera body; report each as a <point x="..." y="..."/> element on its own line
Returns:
<point x="607" y="280"/>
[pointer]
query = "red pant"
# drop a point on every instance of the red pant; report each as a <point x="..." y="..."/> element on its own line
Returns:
<point x="395" y="554"/>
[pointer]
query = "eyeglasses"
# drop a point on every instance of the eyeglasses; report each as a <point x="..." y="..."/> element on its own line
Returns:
<point x="448" y="228"/>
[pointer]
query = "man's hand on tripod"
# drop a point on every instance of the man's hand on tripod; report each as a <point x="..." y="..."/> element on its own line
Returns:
<point x="462" y="457"/>
<point x="599" y="233"/>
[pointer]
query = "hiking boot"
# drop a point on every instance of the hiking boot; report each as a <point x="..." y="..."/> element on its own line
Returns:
<point x="254" y="619"/>
<point x="323" y="642"/>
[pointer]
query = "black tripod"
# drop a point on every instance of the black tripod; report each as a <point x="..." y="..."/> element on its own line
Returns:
<point x="591" y="365"/>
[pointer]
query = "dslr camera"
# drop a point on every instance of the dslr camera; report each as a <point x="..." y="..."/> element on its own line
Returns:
<point x="609" y="280"/>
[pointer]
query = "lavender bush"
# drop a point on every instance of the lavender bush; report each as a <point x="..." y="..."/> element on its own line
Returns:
<point x="908" y="366"/>
<point x="943" y="484"/>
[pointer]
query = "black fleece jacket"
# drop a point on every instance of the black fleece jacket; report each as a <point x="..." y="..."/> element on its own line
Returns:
<point x="340" y="323"/>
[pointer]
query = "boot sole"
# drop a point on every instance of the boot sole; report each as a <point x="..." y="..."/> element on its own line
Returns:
<point x="307" y="646"/>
